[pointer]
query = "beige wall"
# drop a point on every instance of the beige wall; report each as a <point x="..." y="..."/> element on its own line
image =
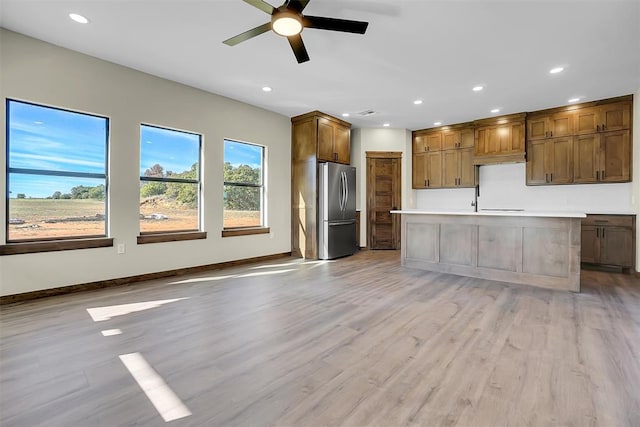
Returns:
<point x="35" y="71"/>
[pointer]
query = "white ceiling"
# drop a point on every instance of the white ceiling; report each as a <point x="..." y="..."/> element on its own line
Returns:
<point x="421" y="49"/>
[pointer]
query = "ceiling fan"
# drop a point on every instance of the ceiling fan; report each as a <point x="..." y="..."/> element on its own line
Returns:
<point x="288" y="21"/>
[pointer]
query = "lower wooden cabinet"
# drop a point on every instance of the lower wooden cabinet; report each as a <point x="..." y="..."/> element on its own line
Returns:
<point x="609" y="240"/>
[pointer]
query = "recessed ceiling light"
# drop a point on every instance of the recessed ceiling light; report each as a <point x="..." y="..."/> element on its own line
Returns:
<point x="556" y="70"/>
<point x="78" y="18"/>
<point x="418" y="101"/>
<point x="345" y="114"/>
<point x="266" y="89"/>
<point x="437" y="123"/>
<point x="574" y="100"/>
<point x="478" y="88"/>
<point x="386" y="125"/>
<point x="495" y="110"/>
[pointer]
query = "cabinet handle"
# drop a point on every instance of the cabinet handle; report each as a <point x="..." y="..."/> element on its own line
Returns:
<point x="551" y="176"/>
<point x="597" y="175"/>
<point x="428" y="183"/>
<point x="597" y="128"/>
<point x="546" y="177"/>
<point x="425" y="182"/>
<point x="602" y="174"/>
<point x="597" y="231"/>
<point x="603" y="127"/>
<point x="550" y="133"/>
<point x="603" y="233"/>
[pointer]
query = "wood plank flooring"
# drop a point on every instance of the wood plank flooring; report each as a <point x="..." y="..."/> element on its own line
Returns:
<point x="359" y="341"/>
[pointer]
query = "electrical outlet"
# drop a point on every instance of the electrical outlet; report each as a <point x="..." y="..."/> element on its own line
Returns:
<point x="120" y="248"/>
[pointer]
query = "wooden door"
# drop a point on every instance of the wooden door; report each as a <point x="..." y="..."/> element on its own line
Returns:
<point x="616" y="246"/>
<point x="419" y="172"/>
<point x="590" y="244"/>
<point x="586" y="158"/>
<point x="537" y="162"/>
<point x="467" y="174"/>
<point x="383" y="195"/>
<point x="325" y="140"/>
<point x="450" y="168"/>
<point x="561" y="160"/>
<point x="615" y="157"/>
<point x="342" y="144"/>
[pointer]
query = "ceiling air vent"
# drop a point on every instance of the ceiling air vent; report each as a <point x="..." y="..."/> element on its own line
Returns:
<point x="366" y="113"/>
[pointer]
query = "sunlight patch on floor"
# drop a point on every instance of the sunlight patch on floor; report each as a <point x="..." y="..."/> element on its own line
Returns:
<point x="99" y="314"/>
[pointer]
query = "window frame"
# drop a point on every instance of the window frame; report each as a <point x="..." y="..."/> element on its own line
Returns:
<point x="248" y="229"/>
<point x="47" y="244"/>
<point x="145" y="237"/>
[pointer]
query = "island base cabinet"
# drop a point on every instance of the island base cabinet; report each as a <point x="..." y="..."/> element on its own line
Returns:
<point x="537" y="251"/>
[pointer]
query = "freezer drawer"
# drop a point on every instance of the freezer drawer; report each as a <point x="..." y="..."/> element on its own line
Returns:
<point x="337" y="239"/>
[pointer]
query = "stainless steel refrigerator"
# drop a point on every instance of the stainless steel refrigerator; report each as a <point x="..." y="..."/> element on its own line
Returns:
<point x="336" y="210"/>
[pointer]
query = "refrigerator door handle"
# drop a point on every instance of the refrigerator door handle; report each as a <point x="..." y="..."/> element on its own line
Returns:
<point x="346" y="188"/>
<point x="343" y="195"/>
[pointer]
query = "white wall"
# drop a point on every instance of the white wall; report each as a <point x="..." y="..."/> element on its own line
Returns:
<point x="384" y="139"/>
<point x="35" y="71"/>
<point x="635" y="184"/>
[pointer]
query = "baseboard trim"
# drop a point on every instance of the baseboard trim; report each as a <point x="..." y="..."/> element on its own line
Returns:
<point x="63" y="290"/>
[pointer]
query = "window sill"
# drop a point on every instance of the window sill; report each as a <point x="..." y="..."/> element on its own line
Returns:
<point x="232" y="232"/>
<point x="54" y="245"/>
<point x="171" y="237"/>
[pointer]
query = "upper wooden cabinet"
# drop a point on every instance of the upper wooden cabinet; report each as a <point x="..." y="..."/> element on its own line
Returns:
<point x="580" y="144"/>
<point x="427" y="170"/>
<point x="429" y="140"/>
<point x="458" y="136"/>
<point x="333" y="140"/>
<point x="550" y="125"/>
<point x="550" y="161"/>
<point x="457" y="168"/>
<point x="603" y="118"/>
<point x="500" y="140"/>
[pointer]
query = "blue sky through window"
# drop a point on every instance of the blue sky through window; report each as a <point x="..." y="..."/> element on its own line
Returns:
<point x="238" y="153"/>
<point x="175" y="151"/>
<point x="44" y="138"/>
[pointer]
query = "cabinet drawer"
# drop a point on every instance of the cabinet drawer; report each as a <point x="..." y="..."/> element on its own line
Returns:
<point x="609" y="220"/>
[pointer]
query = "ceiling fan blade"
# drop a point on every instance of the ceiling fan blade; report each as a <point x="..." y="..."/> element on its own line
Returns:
<point x="334" y="24"/>
<point x="297" y="5"/>
<point x="298" y="48"/>
<point x="262" y="5"/>
<point x="248" y="34"/>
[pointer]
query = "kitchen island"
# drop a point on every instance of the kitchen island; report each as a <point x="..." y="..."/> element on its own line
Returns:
<point x="532" y="248"/>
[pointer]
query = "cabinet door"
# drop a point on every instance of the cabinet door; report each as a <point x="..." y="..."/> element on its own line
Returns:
<point x="450" y="168"/>
<point x="586" y="121"/>
<point x="538" y="127"/>
<point x="561" y="124"/>
<point x="590" y="243"/>
<point x="434" y="169"/>
<point x="516" y="139"/>
<point x="419" y="172"/>
<point x="467" y="175"/>
<point x="586" y="158"/>
<point x="419" y="145"/>
<point x="616" y="116"/>
<point x="433" y="141"/>
<point x="615" y="246"/>
<point x="482" y="141"/>
<point x="615" y="157"/>
<point x="342" y="144"/>
<point x="560" y="167"/>
<point x="467" y="138"/>
<point x="450" y="139"/>
<point x="325" y="140"/>
<point x="537" y="162"/>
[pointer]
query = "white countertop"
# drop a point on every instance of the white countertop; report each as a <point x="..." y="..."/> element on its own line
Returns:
<point x="495" y="213"/>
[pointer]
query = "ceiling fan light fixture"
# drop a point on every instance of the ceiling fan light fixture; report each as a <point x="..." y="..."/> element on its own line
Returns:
<point x="286" y="24"/>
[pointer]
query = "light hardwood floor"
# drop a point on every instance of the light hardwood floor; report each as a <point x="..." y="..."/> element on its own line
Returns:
<point x="359" y="341"/>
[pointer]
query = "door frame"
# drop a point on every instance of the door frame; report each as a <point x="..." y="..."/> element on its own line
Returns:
<point x="397" y="195"/>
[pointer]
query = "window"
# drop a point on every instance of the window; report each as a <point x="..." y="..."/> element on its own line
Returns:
<point x="243" y="185"/>
<point x="169" y="180"/>
<point x="56" y="173"/>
